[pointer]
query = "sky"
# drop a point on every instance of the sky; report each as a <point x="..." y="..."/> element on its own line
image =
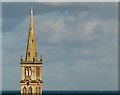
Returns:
<point x="60" y="0"/>
<point x="78" y="42"/>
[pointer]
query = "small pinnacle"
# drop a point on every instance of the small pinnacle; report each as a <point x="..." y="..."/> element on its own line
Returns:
<point x="21" y="58"/>
<point x="41" y="57"/>
<point x="21" y="55"/>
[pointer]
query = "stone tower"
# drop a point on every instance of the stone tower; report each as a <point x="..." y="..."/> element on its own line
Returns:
<point x="31" y="67"/>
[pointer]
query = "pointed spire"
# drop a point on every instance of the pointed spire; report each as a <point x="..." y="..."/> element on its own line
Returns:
<point x="31" y="52"/>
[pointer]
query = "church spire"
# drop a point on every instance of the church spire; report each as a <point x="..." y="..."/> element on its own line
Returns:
<point x="31" y="51"/>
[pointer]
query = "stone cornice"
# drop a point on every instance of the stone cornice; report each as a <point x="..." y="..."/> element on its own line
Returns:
<point x="31" y="81"/>
<point x="29" y="62"/>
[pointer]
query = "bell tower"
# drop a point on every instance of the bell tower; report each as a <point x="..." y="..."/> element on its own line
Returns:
<point x="31" y="67"/>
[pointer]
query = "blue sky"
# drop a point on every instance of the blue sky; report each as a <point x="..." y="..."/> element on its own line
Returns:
<point x="78" y="41"/>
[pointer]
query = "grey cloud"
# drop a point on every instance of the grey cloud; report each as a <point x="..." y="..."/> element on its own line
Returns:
<point x="22" y="9"/>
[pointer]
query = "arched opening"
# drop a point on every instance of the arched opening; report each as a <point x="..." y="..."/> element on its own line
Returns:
<point x="30" y="71"/>
<point x="26" y="71"/>
<point x="24" y="91"/>
<point x="38" y="72"/>
<point x="30" y="90"/>
<point x="36" y="90"/>
<point x="40" y="91"/>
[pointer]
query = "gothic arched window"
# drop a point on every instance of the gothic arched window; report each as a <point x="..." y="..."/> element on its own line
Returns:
<point x="24" y="91"/>
<point x="37" y="72"/>
<point x="36" y="90"/>
<point x="30" y="71"/>
<point x="26" y="71"/>
<point x="30" y="90"/>
<point x="39" y="90"/>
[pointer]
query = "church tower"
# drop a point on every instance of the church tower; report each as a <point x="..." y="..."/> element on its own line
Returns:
<point x="31" y="67"/>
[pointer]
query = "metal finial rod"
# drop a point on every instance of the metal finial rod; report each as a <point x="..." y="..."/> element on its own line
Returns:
<point x="31" y="11"/>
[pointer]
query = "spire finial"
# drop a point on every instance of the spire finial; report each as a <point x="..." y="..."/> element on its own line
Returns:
<point x="31" y="11"/>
